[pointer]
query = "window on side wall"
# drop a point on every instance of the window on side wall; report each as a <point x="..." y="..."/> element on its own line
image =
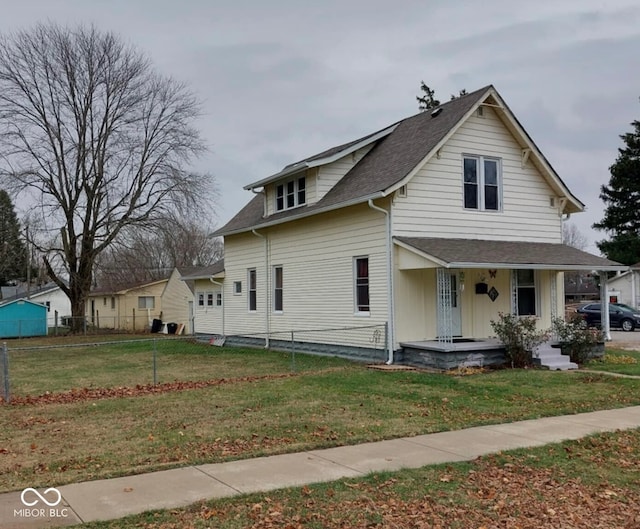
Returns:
<point x="219" y="299"/>
<point x="252" y="281"/>
<point x="361" y="285"/>
<point x="200" y="299"/>
<point x="526" y="292"/>
<point x="146" y="302"/>
<point x="209" y="299"/>
<point x="291" y="194"/>
<point x="482" y="183"/>
<point x="277" y="289"/>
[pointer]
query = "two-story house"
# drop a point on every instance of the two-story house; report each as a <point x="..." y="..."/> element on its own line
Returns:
<point x="432" y="226"/>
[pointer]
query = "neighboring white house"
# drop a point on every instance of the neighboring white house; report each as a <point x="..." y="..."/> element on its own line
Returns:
<point x="50" y="295"/>
<point x="625" y="287"/>
<point x="207" y="314"/>
<point x="431" y="226"/>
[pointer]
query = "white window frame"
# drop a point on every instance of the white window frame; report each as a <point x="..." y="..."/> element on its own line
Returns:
<point x="218" y="299"/>
<point x="481" y="184"/>
<point x="146" y="298"/>
<point x="200" y="302"/>
<point x="516" y="289"/>
<point x="277" y="310"/>
<point x="209" y="299"/>
<point x="252" y="292"/>
<point x="237" y="288"/>
<point x="296" y="189"/>
<point x="357" y="283"/>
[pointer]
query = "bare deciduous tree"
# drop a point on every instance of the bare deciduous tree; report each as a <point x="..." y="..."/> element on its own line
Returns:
<point x="572" y="236"/>
<point x="147" y="256"/>
<point x="98" y="140"/>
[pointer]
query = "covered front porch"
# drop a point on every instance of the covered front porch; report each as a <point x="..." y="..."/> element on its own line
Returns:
<point x="447" y="292"/>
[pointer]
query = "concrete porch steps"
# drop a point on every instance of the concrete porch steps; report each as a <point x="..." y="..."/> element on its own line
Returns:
<point x="552" y="358"/>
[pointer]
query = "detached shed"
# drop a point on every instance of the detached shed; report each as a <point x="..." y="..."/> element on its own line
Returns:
<point x="22" y="318"/>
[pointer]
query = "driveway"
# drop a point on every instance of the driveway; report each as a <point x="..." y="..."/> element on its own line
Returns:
<point x="625" y="340"/>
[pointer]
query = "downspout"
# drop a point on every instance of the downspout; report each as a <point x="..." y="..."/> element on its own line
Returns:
<point x="390" y="305"/>
<point x="223" y="301"/>
<point x="266" y="287"/>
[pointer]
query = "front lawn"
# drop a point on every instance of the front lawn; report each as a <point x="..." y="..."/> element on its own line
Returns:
<point x="334" y="403"/>
<point x="619" y="361"/>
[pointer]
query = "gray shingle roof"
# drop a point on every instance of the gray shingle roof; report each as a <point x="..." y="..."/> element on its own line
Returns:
<point x="391" y="159"/>
<point x="508" y="254"/>
<point x="205" y="272"/>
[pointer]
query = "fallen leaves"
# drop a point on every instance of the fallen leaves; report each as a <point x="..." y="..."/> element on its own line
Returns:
<point x="88" y="394"/>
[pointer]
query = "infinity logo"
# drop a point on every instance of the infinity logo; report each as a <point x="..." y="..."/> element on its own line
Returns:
<point x="42" y="498"/>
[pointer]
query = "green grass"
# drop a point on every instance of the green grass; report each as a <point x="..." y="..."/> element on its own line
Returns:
<point x="52" y="444"/>
<point x="570" y="484"/>
<point x="618" y="361"/>
<point x="56" y="365"/>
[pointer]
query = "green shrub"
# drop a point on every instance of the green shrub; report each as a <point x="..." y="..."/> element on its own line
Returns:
<point x="576" y="338"/>
<point x="520" y="337"/>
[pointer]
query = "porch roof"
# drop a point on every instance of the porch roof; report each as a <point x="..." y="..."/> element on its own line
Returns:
<point x="477" y="253"/>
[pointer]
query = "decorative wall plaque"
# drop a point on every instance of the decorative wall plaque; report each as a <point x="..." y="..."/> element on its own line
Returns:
<point x="493" y="293"/>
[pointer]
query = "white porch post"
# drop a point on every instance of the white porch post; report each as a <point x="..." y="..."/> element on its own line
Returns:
<point x="444" y="316"/>
<point x="604" y="307"/>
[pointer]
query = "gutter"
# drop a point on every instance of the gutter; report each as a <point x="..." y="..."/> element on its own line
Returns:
<point x="267" y="322"/>
<point x="390" y="305"/>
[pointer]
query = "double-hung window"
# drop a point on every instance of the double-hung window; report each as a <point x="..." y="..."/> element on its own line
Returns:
<point x="361" y="285"/>
<point x="209" y="299"/>
<point x="482" y="183"/>
<point x="146" y="302"/>
<point x="291" y="194"/>
<point x="278" y="304"/>
<point x="252" y="281"/>
<point x="200" y="299"/>
<point x="525" y="292"/>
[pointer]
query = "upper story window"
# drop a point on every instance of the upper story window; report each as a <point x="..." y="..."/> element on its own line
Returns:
<point x="291" y="194"/>
<point x="482" y="183"/>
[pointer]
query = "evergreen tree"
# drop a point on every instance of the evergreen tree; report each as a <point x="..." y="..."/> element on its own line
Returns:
<point x="428" y="99"/>
<point x="622" y="200"/>
<point x="13" y="253"/>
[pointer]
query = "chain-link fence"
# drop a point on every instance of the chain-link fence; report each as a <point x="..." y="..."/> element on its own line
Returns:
<point x="85" y="366"/>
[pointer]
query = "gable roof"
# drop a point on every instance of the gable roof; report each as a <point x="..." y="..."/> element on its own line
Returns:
<point x="398" y="152"/>
<point x="477" y="253"/>
<point x="205" y="272"/>
<point x="124" y="289"/>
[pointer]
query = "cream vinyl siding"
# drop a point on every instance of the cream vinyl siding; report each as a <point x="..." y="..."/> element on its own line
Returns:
<point x="207" y="319"/>
<point x="175" y="300"/>
<point x="316" y="255"/>
<point x="434" y="203"/>
<point x="416" y="305"/>
<point x="329" y="175"/>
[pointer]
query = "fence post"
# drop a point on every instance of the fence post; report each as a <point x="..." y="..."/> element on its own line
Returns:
<point x="55" y="323"/>
<point x="134" y="321"/>
<point x="98" y="320"/>
<point x="155" y="362"/>
<point x="5" y="372"/>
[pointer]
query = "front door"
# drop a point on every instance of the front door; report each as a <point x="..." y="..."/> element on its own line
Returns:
<point x="456" y="316"/>
<point x="448" y="305"/>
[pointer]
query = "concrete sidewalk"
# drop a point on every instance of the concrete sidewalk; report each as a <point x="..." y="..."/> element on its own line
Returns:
<point x="114" y="498"/>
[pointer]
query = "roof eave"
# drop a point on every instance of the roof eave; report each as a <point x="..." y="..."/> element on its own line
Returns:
<point x="303" y="166"/>
<point x="304" y="213"/>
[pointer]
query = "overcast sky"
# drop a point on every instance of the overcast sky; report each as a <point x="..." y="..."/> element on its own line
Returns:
<point x="284" y="79"/>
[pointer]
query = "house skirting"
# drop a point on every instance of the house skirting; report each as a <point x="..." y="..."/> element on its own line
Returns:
<point x="460" y="353"/>
<point x="350" y="352"/>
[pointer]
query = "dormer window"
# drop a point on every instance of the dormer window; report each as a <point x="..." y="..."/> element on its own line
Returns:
<point x="291" y="194"/>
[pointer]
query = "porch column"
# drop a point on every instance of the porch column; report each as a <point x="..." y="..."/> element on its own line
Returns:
<point x="443" y="316"/>
<point x="604" y="307"/>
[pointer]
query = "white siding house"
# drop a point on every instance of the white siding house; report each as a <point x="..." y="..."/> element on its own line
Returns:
<point x="428" y="228"/>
